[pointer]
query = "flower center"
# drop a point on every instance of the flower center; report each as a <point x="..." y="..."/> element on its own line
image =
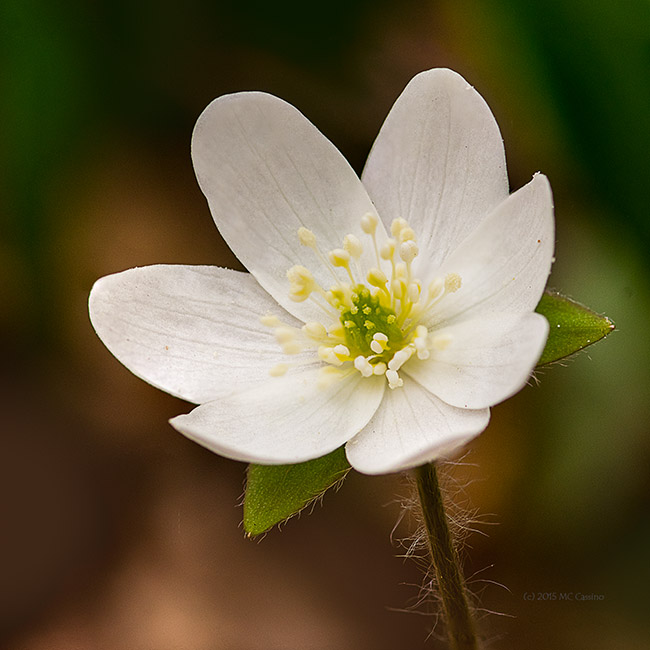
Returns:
<point x="369" y="324"/>
<point x="373" y="321"/>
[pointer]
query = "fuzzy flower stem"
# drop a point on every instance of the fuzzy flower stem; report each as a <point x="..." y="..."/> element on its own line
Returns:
<point x="460" y="628"/>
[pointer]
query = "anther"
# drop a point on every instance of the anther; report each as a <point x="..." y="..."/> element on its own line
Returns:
<point x="369" y="223"/>
<point x="363" y="366"/>
<point x="339" y="257"/>
<point x="270" y="321"/>
<point x="414" y="292"/>
<point x="408" y="251"/>
<point x="284" y="334"/>
<point x="394" y="380"/>
<point x="353" y="246"/>
<point x="435" y="288"/>
<point x="400" y="358"/>
<point x="379" y="342"/>
<point x="306" y="237"/>
<point x="388" y="249"/>
<point x="421" y="342"/>
<point x="452" y="282"/>
<point x="279" y="370"/>
<point x="314" y="330"/>
<point x="441" y="341"/>
<point x="377" y="278"/>
<point x="341" y="351"/>
<point x="302" y="283"/>
<point x="291" y="347"/>
<point x="396" y="226"/>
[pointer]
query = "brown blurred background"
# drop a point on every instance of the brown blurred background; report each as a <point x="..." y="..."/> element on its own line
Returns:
<point x="119" y="533"/>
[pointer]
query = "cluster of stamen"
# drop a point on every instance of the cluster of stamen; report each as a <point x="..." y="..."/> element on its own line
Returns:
<point x="373" y="324"/>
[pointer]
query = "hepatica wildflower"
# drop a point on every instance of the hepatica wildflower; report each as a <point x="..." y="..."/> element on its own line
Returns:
<point x="387" y="313"/>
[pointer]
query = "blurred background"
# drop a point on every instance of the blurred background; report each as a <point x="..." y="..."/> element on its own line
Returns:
<point x="119" y="533"/>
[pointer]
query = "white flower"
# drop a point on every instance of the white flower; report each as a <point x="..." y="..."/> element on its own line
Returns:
<point x="388" y="313"/>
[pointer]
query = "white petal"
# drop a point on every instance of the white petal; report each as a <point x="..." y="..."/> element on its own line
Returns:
<point x="438" y="162"/>
<point x="504" y="264"/>
<point x="267" y="171"/>
<point x="289" y="419"/>
<point x="488" y="359"/>
<point x="192" y="331"/>
<point x="412" y="427"/>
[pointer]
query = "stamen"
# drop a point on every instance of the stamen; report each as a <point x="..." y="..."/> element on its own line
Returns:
<point x="379" y="342"/>
<point x="339" y="257"/>
<point x="342" y="352"/>
<point x="328" y="375"/>
<point x="369" y="223"/>
<point x="315" y="330"/>
<point x="369" y="226"/>
<point x="353" y="246"/>
<point x="363" y="366"/>
<point x="377" y="279"/>
<point x="394" y="380"/>
<point x="421" y="342"/>
<point x="408" y="251"/>
<point x="292" y="347"/>
<point x="401" y="357"/>
<point x="376" y="328"/>
<point x="452" y="282"/>
<point x="441" y="341"/>
<point x="414" y="292"/>
<point x="279" y="370"/>
<point x="284" y="334"/>
<point x="302" y="283"/>
<point x="306" y="237"/>
<point x="388" y="249"/>
<point x="396" y="226"/>
<point x="270" y="321"/>
<point x="327" y="354"/>
<point x="435" y="288"/>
